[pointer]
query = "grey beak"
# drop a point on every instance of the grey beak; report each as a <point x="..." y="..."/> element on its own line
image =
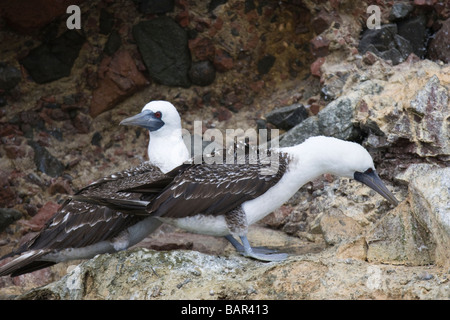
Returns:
<point x="371" y="179"/>
<point x="146" y="119"/>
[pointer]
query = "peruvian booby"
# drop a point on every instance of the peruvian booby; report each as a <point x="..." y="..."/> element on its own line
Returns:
<point x="81" y="230"/>
<point x="224" y="199"/>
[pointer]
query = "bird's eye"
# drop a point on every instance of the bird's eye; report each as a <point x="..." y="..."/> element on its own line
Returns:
<point x="158" y="114"/>
<point x="370" y="170"/>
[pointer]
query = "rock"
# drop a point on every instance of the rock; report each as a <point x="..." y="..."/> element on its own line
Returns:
<point x="202" y="49"/>
<point x="379" y="38"/>
<point x="151" y="275"/>
<point x="222" y="60"/>
<point x="336" y="227"/>
<point x="439" y="47"/>
<point x="164" y="48"/>
<point x="9" y="77"/>
<point x="45" y="162"/>
<point x="118" y="79"/>
<point x="319" y="46"/>
<point x="44" y="214"/>
<point x="386" y="43"/>
<point x="113" y="43"/>
<point x="287" y="117"/>
<point x="316" y="65"/>
<point x="322" y="21"/>
<point x="429" y="200"/>
<point x="400" y="10"/>
<point x="356" y="249"/>
<point x="398" y="238"/>
<point x="415" y="31"/>
<point x="106" y="21"/>
<point x="28" y="16"/>
<point x="156" y="6"/>
<point x="265" y="64"/>
<point x="335" y="120"/>
<point x="54" y="60"/>
<point x="202" y="73"/>
<point x="8" y="216"/>
<point x="412" y="124"/>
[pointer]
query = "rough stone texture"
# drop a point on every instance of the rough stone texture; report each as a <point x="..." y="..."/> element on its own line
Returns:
<point x="334" y="120"/>
<point x="416" y="123"/>
<point x="54" y="60"/>
<point x="194" y="275"/>
<point x="118" y="79"/>
<point x="287" y="117"/>
<point x="164" y="48"/>
<point x="28" y="16"/>
<point x="9" y="77"/>
<point x="439" y="47"/>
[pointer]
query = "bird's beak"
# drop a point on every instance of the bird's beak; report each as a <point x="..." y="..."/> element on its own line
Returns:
<point x="371" y="179"/>
<point x="146" y="119"/>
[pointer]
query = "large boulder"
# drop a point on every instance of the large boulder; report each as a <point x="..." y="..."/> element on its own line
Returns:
<point x="164" y="48"/>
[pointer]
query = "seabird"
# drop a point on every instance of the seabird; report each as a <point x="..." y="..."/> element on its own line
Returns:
<point x="81" y="230"/>
<point x="224" y="199"/>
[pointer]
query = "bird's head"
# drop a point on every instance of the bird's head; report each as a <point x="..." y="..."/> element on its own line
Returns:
<point x="350" y="160"/>
<point x="156" y="116"/>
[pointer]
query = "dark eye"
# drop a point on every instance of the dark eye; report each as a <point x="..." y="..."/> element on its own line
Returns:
<point x="158" y="114"/>
<point x="370" y="170"/>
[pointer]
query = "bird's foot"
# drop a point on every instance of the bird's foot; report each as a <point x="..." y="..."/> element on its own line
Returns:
<point x="271" y="257"/>
<point x="258" y="253"/>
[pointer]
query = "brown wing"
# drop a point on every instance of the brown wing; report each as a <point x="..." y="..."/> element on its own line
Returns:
<point x="215" y="189"/>
<point x="79" y="224"/>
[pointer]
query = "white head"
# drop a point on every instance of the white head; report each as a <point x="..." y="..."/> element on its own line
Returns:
<point x="166" y="147"/>
<point x="341" y="158"/>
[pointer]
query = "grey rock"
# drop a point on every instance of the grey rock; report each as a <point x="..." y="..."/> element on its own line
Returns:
<point x="8" y="216"/>
<point x="9" y="77"/>
<point x="45" y="161"/>
<point x="54" y="60"/>
<point x="113" y="43"/>
<point x="164" y="48"/>
<point x="379" y="38"/>
<point x="415" y="31"/>
<point x="400" y="10"/>
<point x="202" y="73"/>
<point x="287" y="117"/>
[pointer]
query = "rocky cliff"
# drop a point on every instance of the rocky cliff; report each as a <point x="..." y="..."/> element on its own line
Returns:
<point x="298" y="66"/>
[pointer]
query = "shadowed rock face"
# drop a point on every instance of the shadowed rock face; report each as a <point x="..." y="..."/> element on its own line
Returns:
<point x="164" y="48"/>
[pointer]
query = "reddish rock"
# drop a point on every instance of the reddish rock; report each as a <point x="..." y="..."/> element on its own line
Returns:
<point x="28" y="16"/>
<point x="439" y="48"/>
<point x="222" y="114"/>
<point x="315" y="67"/>
<point x="118" y="78"/>
<point x="222" y="61"/>
<point x="322" y="21"/>
<point x="202" y="49"/>
<point x="82" y="123"/>
<point x="370" y="58"/>
<point x="60" y="185"/>
<point x="7" y="192"/>
<point x="424" y="2"/>
<point x="43" y="215"/>
<point x="319" y="46"/>
<point x="14" y="152"/>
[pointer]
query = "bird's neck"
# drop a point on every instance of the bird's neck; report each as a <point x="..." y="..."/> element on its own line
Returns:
<point x="308" y="162"/>
<point x="167" y="150"/>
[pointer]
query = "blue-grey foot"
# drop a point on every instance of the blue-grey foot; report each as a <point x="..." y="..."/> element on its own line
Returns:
<point x="258" y="253"/>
